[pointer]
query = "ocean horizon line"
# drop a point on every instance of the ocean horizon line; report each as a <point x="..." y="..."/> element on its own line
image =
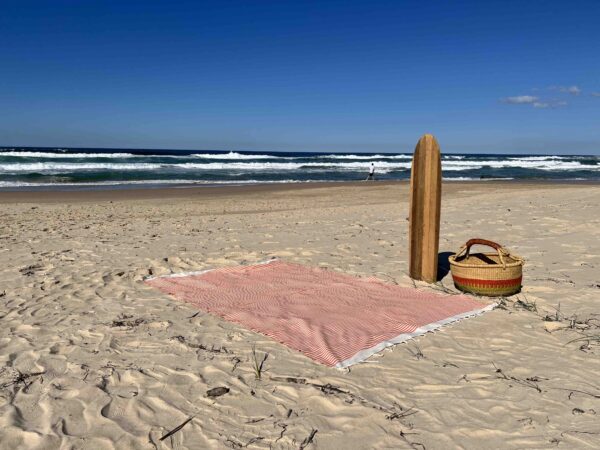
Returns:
<point x="274" y="152"/>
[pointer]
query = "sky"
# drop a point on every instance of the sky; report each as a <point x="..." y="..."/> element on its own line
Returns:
<point x="372" y="76"/>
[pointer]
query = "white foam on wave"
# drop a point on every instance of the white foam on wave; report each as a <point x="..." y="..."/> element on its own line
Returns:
<point x="25" y="184"/>
<point x="49" y="167"/>
<point x="41" y="167"/>
<point x="65" y="155"/>
<point x="386" y="166"/>
<point x="12" y="184"/>
<point x="268" y="166"/>
<point x="232" y="156"/>
<point x="536" y="158"/>
<point x="365" y="157"/>
<point x="550" y="164"/>
<point x="382" y="167"/>
<point x="57" y="155"/>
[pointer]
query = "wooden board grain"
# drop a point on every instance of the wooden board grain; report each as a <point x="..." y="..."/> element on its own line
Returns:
<point x="425" y="206"/>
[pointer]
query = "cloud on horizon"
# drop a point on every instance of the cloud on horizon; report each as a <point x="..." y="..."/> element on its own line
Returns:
<point x="521" y="100"/>
<point x="537" y="102"/>
<point x="573" y="90"/>
<point x="549" y="105"/>
<point x="533" y="101"/>
<point x="595" y="94"/>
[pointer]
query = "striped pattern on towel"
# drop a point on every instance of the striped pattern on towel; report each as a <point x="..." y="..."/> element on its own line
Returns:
<point x="333" y="318"/>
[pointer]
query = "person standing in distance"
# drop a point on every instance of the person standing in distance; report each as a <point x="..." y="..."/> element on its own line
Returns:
<point x="371" y="175"/>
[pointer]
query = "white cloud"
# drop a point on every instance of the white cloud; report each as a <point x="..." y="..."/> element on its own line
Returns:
<point x="554" y="104"/>
<point x="534" y="101"/>
<point x="544" y="103"/>
<point x="573" y="90"/>
<point x="521" y="100"/>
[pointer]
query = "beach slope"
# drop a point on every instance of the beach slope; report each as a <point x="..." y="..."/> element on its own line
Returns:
<point x="92" y="358"/>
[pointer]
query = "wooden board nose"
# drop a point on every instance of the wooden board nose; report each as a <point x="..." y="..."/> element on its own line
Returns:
<point x="425" y="206"/>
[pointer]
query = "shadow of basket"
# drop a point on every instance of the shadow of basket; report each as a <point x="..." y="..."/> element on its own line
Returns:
<point x="443" y="264"/>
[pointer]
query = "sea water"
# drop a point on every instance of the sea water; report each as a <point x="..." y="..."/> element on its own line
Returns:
<point x="48" y="168"/>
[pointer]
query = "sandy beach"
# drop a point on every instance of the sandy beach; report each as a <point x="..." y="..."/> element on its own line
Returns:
<point x="92" y="358"/>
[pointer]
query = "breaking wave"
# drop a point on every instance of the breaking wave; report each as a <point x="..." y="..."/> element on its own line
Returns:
<point x="26" y="167"/>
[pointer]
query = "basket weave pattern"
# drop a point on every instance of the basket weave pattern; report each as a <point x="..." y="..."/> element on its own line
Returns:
<point x="490" y="274"/>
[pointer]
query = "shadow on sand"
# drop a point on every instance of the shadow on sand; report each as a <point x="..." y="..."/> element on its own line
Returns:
<point x="443" y="265"/>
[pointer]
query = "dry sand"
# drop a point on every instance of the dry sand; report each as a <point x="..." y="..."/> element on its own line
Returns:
<point x="92" y="358"/>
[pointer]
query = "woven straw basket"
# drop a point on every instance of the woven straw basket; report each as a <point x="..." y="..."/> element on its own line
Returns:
<point x="490" y="274"/>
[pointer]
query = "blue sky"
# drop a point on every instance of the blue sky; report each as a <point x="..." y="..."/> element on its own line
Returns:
<point x="483" y="76"/>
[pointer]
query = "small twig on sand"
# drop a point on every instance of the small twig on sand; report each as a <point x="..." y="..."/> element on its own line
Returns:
<point x="578" y="432"/>
<point x="389" y="278"/>
<point x="176" y="429"/>
<point x="502" y="304"/>
<point x="442" y="288"/>
<point x="329" y="389"/>
<point x="417" y="352"/>
<point x="528" y="382"/>
<point x="212" y="349"/>
<point x="233" y="444"/>
<point x="577" y="391"/>
<point x="236" y="361"/>
<point x="254" y="440"/>
<point x="401" y="415"/>
<point x="413" y="445"/>
<point x="283" y="427"/>
<point x="124" y="321"/>
<point x="526" y="304"/>
<point x="591" y="337"/>
<point x="21" y="378"/>
<point x="307" y="441"/>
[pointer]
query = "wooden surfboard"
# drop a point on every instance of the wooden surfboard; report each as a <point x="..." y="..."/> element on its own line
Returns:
<point x="425" y="205"/>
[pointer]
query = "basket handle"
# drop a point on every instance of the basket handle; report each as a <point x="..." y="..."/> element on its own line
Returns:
<point x="478" y="241"/>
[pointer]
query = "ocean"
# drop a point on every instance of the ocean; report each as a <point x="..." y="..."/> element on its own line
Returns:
<point x="67" y="168"/>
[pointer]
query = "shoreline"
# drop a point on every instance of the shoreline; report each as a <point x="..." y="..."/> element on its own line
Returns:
<point x="114" y="193"/>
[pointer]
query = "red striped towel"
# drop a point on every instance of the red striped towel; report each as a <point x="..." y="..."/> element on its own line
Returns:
<point x="333" y="318"/>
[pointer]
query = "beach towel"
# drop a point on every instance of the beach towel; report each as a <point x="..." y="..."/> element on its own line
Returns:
<point x="333" y="318"/>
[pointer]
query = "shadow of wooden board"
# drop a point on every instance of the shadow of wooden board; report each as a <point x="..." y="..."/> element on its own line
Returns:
<point x="425" y="205"/>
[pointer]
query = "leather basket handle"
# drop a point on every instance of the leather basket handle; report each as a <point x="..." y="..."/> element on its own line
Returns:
<point x="478" y="241"/>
